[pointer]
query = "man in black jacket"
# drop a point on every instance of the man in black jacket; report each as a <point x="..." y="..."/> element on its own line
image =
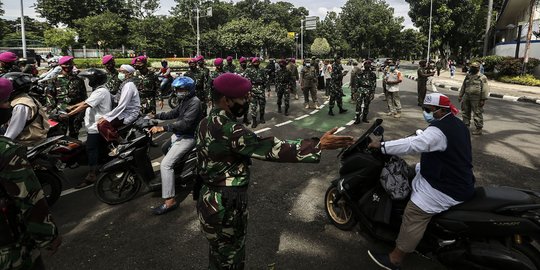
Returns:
<point x="188" y="115"/>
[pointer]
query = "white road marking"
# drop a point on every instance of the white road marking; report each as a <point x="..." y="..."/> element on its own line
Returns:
<point x="71" y="190"/>
<point x="511" y="98"/>
<point x="316" y="111"/>
<point x="326" y="102"/>
<point x="284" y="123"/>
<point x="350" y="123"/>
<point x="262" y="130"/>
<point x="321" y="107"/>
<point x="301" y="117"/>
<point x="339" y="130"/>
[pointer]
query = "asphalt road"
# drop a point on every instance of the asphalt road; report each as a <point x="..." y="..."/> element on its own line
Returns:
<point x="288" y="228"/>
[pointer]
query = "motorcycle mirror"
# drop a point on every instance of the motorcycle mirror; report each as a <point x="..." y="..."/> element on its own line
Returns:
<point x="379" y="131"/>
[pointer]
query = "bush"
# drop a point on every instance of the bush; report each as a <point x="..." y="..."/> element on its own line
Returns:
<point x="507" y="66"/>
<point x="526" y="79"/>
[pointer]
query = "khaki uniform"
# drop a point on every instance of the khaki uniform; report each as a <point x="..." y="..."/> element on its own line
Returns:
<point x="474" y="89"/>
<point x="37" y="127"/>
<point x="308" y="80"/>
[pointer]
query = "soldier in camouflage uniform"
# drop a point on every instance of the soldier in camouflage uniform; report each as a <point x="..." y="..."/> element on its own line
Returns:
<point x="206" y="72"/>
<point x="200" y="84"/>
<point x="308" y="84"/>
<point x="147" y="83"/>
<point x="259" y="79"/>
<point x="224" y="150"/>
<point x="7" y="63"/>
<point x="473" y="95"/>
<point x="242" y="72"/>
<point x="336" y="90"/>
<point x="113" y="82"/>
<point x="284" y="82"/>
<point x="230" y="67"/>
<point x="294" y="71"/>
<point x="69" y="90"/>
<point x="354" y="87"/>
<point x="218" y="63"/>
<point x="366" y="81"/>
<point x="26" y="224"/>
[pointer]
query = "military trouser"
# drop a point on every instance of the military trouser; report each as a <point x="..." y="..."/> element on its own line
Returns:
<point x="310" y="90"/>
<point x="202" y="96"/>
<point x="421" y="91"/>
<point x="75" y="123"/>
<point x="362" y="103"/>
<point x="294" y="88"/>
<point x="224" y="226"/>
<point x="385" y="90"/>
<point x="354" y="92"/>
<point x="394" y="102"/>
<point x="148" y="105"/>
<point x="285" y="95"/>
<point x="258" y="101"/>
<point x="471" y="104"/>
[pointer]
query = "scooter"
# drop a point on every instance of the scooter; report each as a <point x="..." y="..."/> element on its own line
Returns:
<point x="496" y="229"/>
<point x="121" y="178"/>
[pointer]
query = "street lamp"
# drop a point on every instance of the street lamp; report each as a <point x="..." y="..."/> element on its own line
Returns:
<point x="429" y="35"/>
<point x="23" y="36"/>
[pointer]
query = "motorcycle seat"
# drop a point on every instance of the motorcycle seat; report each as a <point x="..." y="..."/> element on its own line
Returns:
<point x="493" y="198"/>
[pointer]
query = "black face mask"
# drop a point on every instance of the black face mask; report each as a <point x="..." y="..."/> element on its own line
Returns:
<point x="5" y="115"/>
<point x="237" y="109"/>
<point x="192" y="67"/>
<point x="255" y="65"/>
<point x="67" y="69"/>
<point x="474" y="70"/>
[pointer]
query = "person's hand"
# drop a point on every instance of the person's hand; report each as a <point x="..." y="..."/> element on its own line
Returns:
<point x="53" y="246"/>
<point x="100" y="120"/>
<point x="330" y="141"/>
<point x="374" y="144"/>
<point x="482" y="103"/>
<point x="156" y="129"/>
<point x="63" y="116"/>
<point x="161" y="103"/>
<point x="151" y="115"/>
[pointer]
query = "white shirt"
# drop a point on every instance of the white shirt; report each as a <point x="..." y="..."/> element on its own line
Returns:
<point x="51" y="74"/>
<point x="19" y="116"/>
<point x="129" y="105"/>
<point x="430" y="200"/>
<point x="100" y="102"/>
<point x="393" y="77"/>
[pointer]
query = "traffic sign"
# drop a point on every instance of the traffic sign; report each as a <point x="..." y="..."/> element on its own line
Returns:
<point x="312" y="18"/>
<point x="291" y="35"/>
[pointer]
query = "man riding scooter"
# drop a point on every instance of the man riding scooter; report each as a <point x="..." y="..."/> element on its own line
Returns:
<point x="188" y="115"/>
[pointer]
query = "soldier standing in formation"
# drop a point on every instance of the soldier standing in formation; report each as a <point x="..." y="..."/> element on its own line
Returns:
<point x="258" y="79"/>
<point x="294" y="71"/>
<point x="224" y="150"/>
<point x="147" y="83"/>
<point x="366" y="81"/>
<point x="113" y="82"/>
<point x="423" y="75"/>
<point x="271" y="71"/>
<point x="69" y="90"/>
<point x="473" y="95"/>
<point x="230" y="67"/>
<point x="284" y="82"/>
<point x="200" y="85"/>
<point x="336" y="90"/>
<point x="7" y="63"/>
<point x="218" y="64"/>
<point x="308" y="84"/>
<point x="354" y="88"/>
<point x="242" y="72"/>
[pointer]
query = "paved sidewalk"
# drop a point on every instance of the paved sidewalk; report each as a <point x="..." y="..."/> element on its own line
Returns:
<point x="513" y="92"/>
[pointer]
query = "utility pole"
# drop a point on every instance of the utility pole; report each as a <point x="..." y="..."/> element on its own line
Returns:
<point x="198" y="33"/>
<point x="429" y="35"/>
<point x="488" y="26"/>
<point x="23" y="36"/>
<point x="302" y="39"/>
<point x="529" y="36"/>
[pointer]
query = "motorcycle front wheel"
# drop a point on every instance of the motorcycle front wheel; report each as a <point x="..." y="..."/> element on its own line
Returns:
<point x="51" y="183"/>
<point x="340" y="213"/>
<point x="116" y="187"/>
<point x="173" y="101"/>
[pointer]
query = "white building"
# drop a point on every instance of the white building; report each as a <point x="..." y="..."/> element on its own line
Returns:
<point x="513" y="21"/>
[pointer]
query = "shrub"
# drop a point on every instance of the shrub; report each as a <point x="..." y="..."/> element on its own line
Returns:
<point x="507" y="66"/>
<point x="526" y="79"/>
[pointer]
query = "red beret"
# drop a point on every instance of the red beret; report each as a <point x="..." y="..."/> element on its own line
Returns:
<point x="229" y="58"/>
<point x="255" y="59"/>
<point x="242" y="59"/>
<point x="218" y="61"/>
<point x="142" y="59"/>
<point x="65" y="59"/>
<point x="232" y="85"/>
<point x="106" y="59"/>
<point x="8" y="57"/>
<point x="192" y="60"/>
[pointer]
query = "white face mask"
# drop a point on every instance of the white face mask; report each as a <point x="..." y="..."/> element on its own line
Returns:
<point x="308" y="64"/>
<point x="121" y="76"/>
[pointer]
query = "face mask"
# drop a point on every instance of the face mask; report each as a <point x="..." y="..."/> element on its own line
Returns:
<point x="192" y="67"/>
<point x="121" y="76"/>
<point x="5" y="115"/>
<point x="181" y="95"/>
<point x="308" y="64"/>
<point x="237" y="109"/>
<point x="164" y="65"/>
<point x="474" y="70"/>
<point x="392" y="68"/>
<point x="255" y="65"/>
<point x="429" y="117"/>
<point x="67" y="69"/>
<point x="138" y="67"/>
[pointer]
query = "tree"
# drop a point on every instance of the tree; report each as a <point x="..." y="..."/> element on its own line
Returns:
<point x="143" y="8"/>
<point x="61" y="38"/>
<point x="67" y="11"/>
<point x="409" y="44"/>
<point x="331" y="28"/>
<point x="106" y="28"/>
<point x="1" y="8"/>
<point x="320" y="47"/>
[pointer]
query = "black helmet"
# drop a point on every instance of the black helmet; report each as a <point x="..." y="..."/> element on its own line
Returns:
<point x="96" y="77"/>
<point x="22" y="82"/>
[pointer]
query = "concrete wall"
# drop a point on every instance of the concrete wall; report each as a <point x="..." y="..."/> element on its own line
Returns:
<point x="509" y="49"/>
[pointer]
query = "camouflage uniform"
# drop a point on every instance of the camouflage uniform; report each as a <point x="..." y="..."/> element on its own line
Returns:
<point x="352" y="84"/>
<point x="258" y="79"/>
<point x="336" y="90"/>
<point x="224" y="150"/>
<point x="4" y="70"/>
<point x="366" y="81"/>
<point x="69" y="90"/>
<point x="148" y="86"/>
<point x="284" y="82"/>
<point x="242" y="72"/>
<point x="213" y="74"/>
<point x="308" y="80"/>
<point x="474" y="89"/>
<point x="294" y="71"/>
<point x="200" y="87"/>
<point x="113" y="83"/>
<point x="37" y="228"/>
<point x="229" y="68"/>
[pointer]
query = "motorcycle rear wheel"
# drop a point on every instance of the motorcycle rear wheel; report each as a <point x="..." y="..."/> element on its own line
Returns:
<point x="341" y="214"/>
<point x="51" y="183"/>
<point x="530" y="252"/>
<point x="173" y="101"/>
<point x="117" y="187"/>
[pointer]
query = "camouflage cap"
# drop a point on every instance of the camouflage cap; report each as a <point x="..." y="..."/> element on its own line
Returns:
<point x="475" y="65"/>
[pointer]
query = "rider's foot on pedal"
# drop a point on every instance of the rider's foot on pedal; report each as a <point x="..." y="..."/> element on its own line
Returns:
<point x="383" y="260"/>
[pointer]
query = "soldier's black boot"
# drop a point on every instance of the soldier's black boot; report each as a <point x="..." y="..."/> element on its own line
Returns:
<point x="341" y="110"/>
<point x="279" y="109"/>
<point x="330" y="112"/>
<point x="357" y="119"/>
<point x="262" y="118"/>
<point x="254" y="125"/>
<point x="364" y="119"/>
<point x="286" y="111"/>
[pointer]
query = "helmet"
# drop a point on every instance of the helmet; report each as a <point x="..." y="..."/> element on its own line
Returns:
<point x="96" y="77"/>
<point x="22" y="82"/>
<point x="184" y="83"/>
<point x="475" y="65"/>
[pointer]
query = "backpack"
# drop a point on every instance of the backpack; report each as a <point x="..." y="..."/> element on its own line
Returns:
<point x="395" y="178"/>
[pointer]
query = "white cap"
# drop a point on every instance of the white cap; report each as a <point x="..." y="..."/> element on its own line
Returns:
<point x="128" y="68"/>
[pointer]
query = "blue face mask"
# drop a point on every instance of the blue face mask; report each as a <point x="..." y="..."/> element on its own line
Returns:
<point x="428" y="116"/>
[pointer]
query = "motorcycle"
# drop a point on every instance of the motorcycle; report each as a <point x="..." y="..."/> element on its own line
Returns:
<point x="121" y="178"/>
<point x="168" y="93"/>
<point x="496" y="229"/>
<point x="48" y="169"/>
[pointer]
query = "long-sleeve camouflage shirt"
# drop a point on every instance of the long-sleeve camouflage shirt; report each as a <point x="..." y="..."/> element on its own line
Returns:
<point x="225" y="148"/>
<point x="113" y="82"/>
<point x="365" y="81"/>
<point x="200" y="84"/>
<point x="68" y="90"/>
<point x="19" y="181"/>
<point x="258" y="78"/>
<point x="229" y="68"/>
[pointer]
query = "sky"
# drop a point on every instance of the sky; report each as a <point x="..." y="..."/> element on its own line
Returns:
<point x="315" y="7"/>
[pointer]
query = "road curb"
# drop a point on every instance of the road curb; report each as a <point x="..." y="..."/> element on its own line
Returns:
<point x="524" y="99"/>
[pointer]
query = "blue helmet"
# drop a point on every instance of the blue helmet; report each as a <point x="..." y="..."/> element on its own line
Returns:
<point x="184" y="83"/>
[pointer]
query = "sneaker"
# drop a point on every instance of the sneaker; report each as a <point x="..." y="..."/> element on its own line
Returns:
<point x="163" y="209"/>
<point x="306" y="106"/>
<point x="389" y="113"/>
<point x="383" y="260"/>
<point x="397" y="115"/>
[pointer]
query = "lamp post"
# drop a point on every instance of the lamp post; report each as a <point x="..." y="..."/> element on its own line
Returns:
<point x="429" y="33"/>
<point x="23" y="36"/>
<point x="518" y="42"/>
